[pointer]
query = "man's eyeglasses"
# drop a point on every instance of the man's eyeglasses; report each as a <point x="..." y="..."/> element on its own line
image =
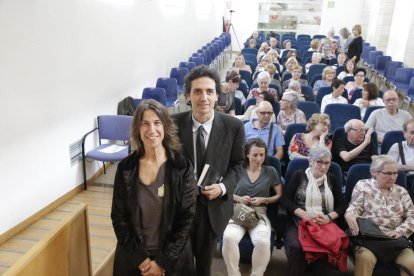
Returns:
<point x="358" y="130"/>
<point x="321" y="163"/>
<point x="263" y="113"/>
<point x="391" y="100"/>
<point x="389" y="173"/>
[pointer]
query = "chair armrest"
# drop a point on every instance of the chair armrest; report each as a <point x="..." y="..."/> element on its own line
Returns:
<point x="83" y="141"/>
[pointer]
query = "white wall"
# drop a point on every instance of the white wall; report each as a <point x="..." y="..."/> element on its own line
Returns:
<point x="62" y="63"/>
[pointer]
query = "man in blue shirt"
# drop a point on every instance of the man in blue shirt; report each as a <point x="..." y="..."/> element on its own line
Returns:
<point x="261" y="128"/>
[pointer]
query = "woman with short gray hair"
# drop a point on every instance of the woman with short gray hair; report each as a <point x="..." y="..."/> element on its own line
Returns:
<point x="312" y="195"/>
<point x="389" y="206"/>
<point x="289" y="114"/>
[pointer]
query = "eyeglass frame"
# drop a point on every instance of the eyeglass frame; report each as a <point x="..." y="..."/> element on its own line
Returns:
<point x="320" y="163"/>
<point x="389" y="174"/>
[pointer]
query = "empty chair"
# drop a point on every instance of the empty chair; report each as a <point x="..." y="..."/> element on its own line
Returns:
<point x="155" y="93"/>
<point x="136" y="102"/>
<point x="390" y="138"/>
<point x="112" y="130"/>
<point x="390" y="70"/>
<point x="179" y="74"/>
<point x="372" y="57"/>
<point x="308" y="108"/>
<point x="189" y="65"/>
<point x="410" y="90"/>
<point x="197" y="60"/>
<point x="402" y="78"/>
<point x="380" y="64"/>
<point x="341" y="113"/>
<point x="170" y="86"/>
<point x="365" y="52"/>
<point x="251" y="51"/>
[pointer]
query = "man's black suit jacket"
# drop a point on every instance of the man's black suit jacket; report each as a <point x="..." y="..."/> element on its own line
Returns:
<point x="224" y="154"/>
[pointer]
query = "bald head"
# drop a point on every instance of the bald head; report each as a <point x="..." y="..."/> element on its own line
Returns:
<point x="264" y="113"/>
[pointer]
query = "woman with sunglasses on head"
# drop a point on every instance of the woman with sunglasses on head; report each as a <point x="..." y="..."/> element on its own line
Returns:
<point x="386" y="204"/>
<point x="314" y="196"/>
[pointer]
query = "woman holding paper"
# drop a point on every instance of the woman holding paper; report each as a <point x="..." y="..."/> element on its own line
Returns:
<point x="154" y="199"/>
<point x="253" y="189"/>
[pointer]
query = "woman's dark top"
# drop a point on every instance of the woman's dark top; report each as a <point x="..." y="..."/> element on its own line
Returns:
<point x="355" y="48"/>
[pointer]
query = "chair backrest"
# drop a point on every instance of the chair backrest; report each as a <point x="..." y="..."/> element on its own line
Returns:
<point x="315" y="69"/>
<point x="319" y="37"/>
<point x="348" y="79"/>
<point x="170" y="86"/>
<point x="303" y="163"/>
<point x="275" y="163"/>
<point x="356" y="95"/>
<point x="341" y="113"/>
<point x="244" y="88"/>
<point x="307" y="91"/>
<point x="187" y="64"/>
<point x="362" y="171"/>
<point x="372" y="57"/>
<point x="410" y="90"/>
<point x="238" y="106"/>
<point x="249" y="102"/>
<point x="114" y="127"/>
<point x="197" y="60"/>
<point x="247" y="76"/>
<point x="339" y="69"/>
<point x="136" y="102"/>
<point x="314" y="79"/>
<point x="252" y="51"/>
<point x="369" y="111"/>
<point x="291" y="130"/>
<point x="391" y="69"/>
<point x="381" y="62"/>
<point x="322" y="92"/>
<point x="155" y="93"/>
<point x="402" y="78"/>
<point x="309" y="108"/>
<point x="390" y="138"/>
<point x="179" y="74"/>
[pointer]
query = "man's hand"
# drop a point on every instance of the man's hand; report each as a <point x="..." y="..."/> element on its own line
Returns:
<point x="212" y="191"/>
<point x="154" y="270"/>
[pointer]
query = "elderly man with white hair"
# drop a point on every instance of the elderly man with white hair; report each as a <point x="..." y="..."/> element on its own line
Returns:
<point x="355" y="147"/>
<point x="263" y="128"/>
<point x="263" y="79"/>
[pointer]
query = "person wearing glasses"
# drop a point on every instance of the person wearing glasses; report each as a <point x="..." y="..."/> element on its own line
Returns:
<point x="388" y="205"/>
<point x="359" y="77"/>
<point x="328" y="75"/>
<point x="251" y="114"/>
<point x="268" y="131"/>
<point x="317" y="133"/>
<point x="388" y="118"/>
<point x="356" y="147"/>
<point x="312" y="194"/>
<point x="289" y="113"/>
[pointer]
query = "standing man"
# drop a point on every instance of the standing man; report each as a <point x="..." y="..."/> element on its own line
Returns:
<point x="388" y="118"/>
<point x="209" y="137"/>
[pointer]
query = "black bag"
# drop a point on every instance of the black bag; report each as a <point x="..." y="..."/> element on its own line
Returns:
<point x="385" y="248"/>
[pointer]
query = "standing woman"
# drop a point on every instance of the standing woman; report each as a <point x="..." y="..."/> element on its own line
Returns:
<point x="344" y="40"/>
<point x="355" y="47"/>
<point x="253" y="189"/>
<point x="153" y="203"/>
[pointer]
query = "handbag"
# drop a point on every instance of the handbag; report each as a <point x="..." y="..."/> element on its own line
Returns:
<point x="385" y="248"/>
<point x="245" y="216"/>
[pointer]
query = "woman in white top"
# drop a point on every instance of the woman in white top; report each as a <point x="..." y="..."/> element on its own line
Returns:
<point x="240" y="64"/>
<point x="369" y="98"/>
<point x="348" y="70"/>
<point x="338" y="87"/>
<point x="359" y="77"/>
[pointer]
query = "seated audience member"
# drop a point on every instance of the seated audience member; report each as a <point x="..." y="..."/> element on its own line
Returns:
<point x="271" y="69"/>
<point x="328" y="74"/>
<point x="313" y="195"/>
<point x="296" y="73"/>
<point x="251" y="114"/>
<point x="289" y="114"/>
<point x="294" y="86"/>
<point x="407" y="153"/>
<point x="274" y="58"/>
<point x="356" y="147"/>
<point x="256" y="181"/>
<point x="287" y="46"/>
<point x="389" y="117"/>
<point x="290" y="62"/>
<point x="263" y="79"/>
<point x="256" y="37"/>
<point x="328" y="47"/>
<point x="240" y="63"/>
<point x="369" y="98"/>
<point x="316" y="59"/>
<point x="386" y="204"/>
<point x="225" y="101"/>
<point x="263" y="128"/>
<point x="261" y="67"/>
<point x="273" y="44"/>
<point x="341" y="60"/>
<point x="314" y="45"/>
<point x="264" y="48"/>
<point x="348" y="69"/>
<point x="335" y="96"/>
<point x="252" y="43"/>
<point x="344" y="40"/>
<point x="292" y="53"/>
<point x="359" y="77"/>
<point x="317" y="133"/>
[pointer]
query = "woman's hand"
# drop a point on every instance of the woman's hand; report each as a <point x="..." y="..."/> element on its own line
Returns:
<point x="364" y="103"/>
<point x="154" y="270"/>
<point x="322" y="219"/>
<point x="352" y="223"/>
<point x="255" y="201"/>
<point x="245" y="199"/>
